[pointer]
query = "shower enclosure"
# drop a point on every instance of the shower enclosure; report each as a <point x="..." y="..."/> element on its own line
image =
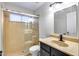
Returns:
<point x="20" y="33"/>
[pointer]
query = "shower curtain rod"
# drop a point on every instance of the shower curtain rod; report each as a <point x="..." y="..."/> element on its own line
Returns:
<point x="26" y="14"/>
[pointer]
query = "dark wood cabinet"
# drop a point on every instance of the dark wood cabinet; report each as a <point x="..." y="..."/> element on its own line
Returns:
<point x="55" y="52"/>
<point x="46" y="50"/>
<point x="44" y="53"/>
<point x="0" y="53"/>
<point x="45" y="47"/>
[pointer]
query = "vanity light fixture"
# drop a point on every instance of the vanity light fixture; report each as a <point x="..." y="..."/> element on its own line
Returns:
<point x="55" y="3"/>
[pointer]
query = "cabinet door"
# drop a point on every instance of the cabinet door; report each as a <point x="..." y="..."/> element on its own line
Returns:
<point x="0" y="54"/>
<point x="55" y="52"/>
<point x="45" y="47"/>
<point x="44" y="53"/>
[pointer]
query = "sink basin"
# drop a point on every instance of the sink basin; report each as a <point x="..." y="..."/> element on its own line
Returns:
<point x="60" y="43"/>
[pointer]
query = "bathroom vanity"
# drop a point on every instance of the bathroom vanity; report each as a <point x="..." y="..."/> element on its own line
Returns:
<point x="53" y="47"/>
<point x="50" y="51"/>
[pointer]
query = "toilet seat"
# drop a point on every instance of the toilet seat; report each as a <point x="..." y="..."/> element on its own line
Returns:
<point x="34" y="50"/>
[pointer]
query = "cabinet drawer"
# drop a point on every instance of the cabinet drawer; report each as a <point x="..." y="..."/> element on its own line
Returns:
<point x="45" y="47"/>
<point x="55" y="52"/>
<point x="44" y="53"/>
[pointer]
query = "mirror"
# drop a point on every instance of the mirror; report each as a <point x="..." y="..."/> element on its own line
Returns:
<point x="65" y="21"/>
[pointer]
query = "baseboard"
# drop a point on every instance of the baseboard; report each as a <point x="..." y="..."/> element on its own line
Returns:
<point x="0" y="53"/>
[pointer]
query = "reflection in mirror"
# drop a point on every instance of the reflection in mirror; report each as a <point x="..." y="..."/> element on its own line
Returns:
<point x="65" y="21"/>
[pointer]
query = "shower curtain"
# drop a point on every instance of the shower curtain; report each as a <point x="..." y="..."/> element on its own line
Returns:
<point x="18" y="37"/>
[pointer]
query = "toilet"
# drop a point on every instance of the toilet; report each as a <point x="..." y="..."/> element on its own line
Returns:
<point x="34" y="50"/>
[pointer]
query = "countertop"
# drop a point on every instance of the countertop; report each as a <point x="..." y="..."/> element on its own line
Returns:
<point x="68" y="47"/>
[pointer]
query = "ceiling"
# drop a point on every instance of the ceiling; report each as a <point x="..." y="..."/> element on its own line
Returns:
<point x="29" y="5"/>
